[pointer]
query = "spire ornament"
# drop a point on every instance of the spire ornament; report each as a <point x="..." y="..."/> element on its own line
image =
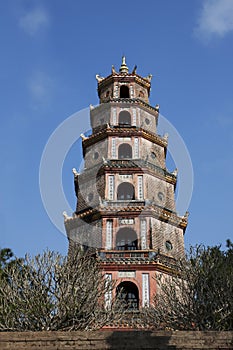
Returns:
<point x="113" y="70"/>
<point x="124" y="68"/>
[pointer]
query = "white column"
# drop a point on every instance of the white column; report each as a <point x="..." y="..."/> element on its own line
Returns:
<point x="145" y="290"/>
<point x="134" y="121"/>
<point x="140" y="187"/>
<point x="116" y="91"/>
<point x="111" y="187"/>
<point x="114" y="116"/>
<point x="136" y="147"/>
<point x="108" y="244"/>
<point x="113" y="147"/>
<point x="131" y="91"/>
<point x="108" y="293"/>
<point x="143" y="233"/>
<point x="139" y="117"/>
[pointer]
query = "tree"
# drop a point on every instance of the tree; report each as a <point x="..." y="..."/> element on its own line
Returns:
<point x="6" y="256"/>
<point x="52" y="292"/>
<point x="200" y="295"/>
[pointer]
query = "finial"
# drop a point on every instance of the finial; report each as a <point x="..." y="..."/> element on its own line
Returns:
<point x="149" y="77"/>
<point x="134" y="70"/>
<point x="75" y="172"/>
<point x="113" y="70"/>
<point x="83" y="137"/>
<point x="99" y="78"/>
<point x="65" y="215"/>
<point x="104" y="160"/>
<point x="124" y="68"/>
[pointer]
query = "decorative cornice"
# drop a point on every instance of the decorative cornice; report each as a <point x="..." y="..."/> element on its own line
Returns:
<point x="122" y="102"/>
<point x="113" y="209"/>
<point x="127" y="166"/>
<point x="122" y="77"/>
<point x="112" y="130"/>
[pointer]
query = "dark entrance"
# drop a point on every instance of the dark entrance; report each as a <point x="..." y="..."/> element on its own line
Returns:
<point x="128" y="292"/>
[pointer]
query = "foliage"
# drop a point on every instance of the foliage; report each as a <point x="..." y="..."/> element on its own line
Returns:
<point x="6" y="258"/>
<point x="52" y="292"/>
<point x="200" y="295"/>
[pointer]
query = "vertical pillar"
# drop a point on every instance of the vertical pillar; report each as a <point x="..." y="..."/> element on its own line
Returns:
<point x="145" y="290"/>
<point x="140" y="187"/>
<point x="111" y="187"/>
<point x="136" y="148"/>
<point x="108" y="240"/>
<point x="143" y="234"/>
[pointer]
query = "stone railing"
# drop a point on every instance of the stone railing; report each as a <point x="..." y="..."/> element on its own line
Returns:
<point x="136" y="256"/>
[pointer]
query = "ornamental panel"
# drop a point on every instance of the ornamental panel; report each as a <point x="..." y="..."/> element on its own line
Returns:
<point x="143" y="234"/>
<point x="111" y="187"/>
<point x="114" y="116"/>
<point x="140" y="187"/>
<point x="134" y="121"/>
<point x="145" y="290"/>
<point x="109" y="235"/>
<point x="113" y="151"/>
<point x="136" y="147"/>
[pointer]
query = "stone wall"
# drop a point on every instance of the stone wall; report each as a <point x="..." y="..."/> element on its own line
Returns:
<point x="160" y="340"/>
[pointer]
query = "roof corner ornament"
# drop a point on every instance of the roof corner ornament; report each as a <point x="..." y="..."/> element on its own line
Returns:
<point x="134" y="69"/>
<point x="175" y="172"/>
<point x="99" y="78"/>
<point x="104" y="161"/>
<point x="83" y="137"/>
<point x="165" y="136"/>
<point x="186" y="215"/>
<point x="91" y="107"/>
<point x="157" y="108"/>
<point x="75" y="172"/>
<point x="66" y="216"/>
<point x="149" y="77"/>
<point x="113" y="70"/>
<point x="124" y="68"/>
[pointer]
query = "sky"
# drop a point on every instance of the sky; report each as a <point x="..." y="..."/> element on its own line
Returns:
<point x="50" y="53"/>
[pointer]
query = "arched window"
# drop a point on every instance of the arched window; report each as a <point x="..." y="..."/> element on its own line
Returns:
<point x="128" y="292"/>
<point x="125" y="191"/>
<point x="124" y="91"/>
<point x="124" y="151"/>
<point x="126" y="239"/>
<point x="124" y="118"/>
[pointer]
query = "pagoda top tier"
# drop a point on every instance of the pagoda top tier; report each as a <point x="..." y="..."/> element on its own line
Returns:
<point x="123" y="84"/>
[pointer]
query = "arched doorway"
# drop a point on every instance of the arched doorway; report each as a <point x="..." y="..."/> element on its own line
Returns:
<point x="124" y="91"/>
<point x="124" y="151"/>
<point x="124" y="118"/>
<point x="125" y="191"/>
<point x="128" y="292"/>
<point x="126" y="239"/>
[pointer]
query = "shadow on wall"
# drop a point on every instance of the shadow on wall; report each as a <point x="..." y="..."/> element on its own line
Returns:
<point x="133" y="340"/>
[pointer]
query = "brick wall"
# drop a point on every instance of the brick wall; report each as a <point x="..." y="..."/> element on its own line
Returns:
<point x="162" y="232"/>
<point x="160" y="340"/>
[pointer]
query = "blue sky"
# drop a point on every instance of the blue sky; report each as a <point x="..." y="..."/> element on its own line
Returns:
<point x="50" y="53"/>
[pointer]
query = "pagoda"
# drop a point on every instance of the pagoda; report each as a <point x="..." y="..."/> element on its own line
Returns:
<point x="125" y="195"/>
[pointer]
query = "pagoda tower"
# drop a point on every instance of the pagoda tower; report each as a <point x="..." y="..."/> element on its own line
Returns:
<point x="126" y="196"/>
